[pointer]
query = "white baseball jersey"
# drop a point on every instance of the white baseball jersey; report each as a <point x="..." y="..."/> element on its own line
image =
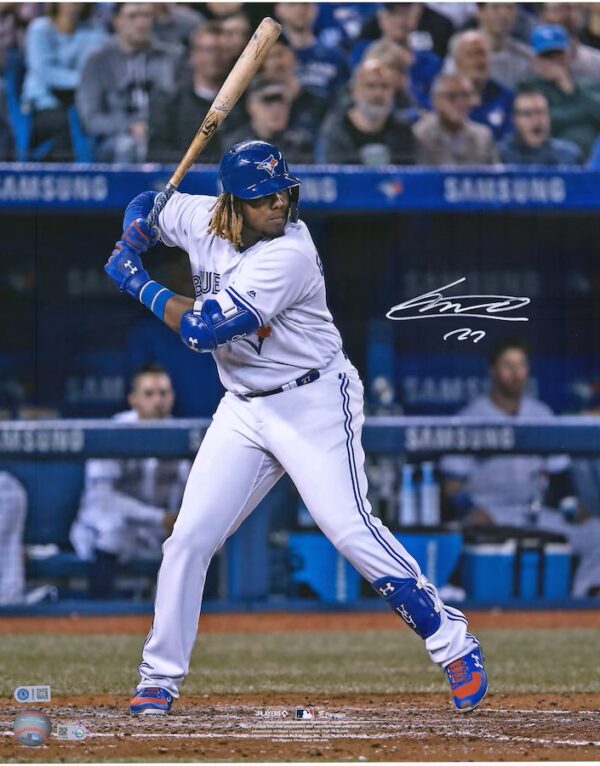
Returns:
<point x="279" y="280"/>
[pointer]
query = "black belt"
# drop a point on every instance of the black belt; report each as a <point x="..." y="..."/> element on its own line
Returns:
<point x="307" y="378"/>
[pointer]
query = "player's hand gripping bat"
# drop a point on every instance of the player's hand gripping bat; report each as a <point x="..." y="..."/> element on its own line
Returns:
<point x="236" y="83"/>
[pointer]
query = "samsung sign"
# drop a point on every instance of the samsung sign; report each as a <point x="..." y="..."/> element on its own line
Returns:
<point x="457" y="438"/>
<point x="43" y="441"/>
<point x="520" y="190"/>
<point x="43" y="187"/>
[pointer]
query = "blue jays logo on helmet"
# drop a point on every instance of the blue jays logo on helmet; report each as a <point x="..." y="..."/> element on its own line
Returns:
<point x="253" y="169"/>
<point x="269" y="165"/>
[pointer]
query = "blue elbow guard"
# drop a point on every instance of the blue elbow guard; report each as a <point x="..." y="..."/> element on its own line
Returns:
<point x="411" y="600"/>
<point x="214" y="327"/>
<point x="139" y="207"/>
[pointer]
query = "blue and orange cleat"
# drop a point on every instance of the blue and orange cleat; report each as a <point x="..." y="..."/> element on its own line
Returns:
<point x="151" y="701"/>
<point x="468" y="680"/>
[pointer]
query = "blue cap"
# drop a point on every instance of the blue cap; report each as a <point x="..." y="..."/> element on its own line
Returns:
<point x="549" y="37"/>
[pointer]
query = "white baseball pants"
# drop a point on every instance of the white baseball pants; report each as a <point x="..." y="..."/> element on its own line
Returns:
<point x="314" y="434"/>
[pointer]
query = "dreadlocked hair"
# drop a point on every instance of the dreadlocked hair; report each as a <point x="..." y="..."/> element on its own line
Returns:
<point x="227" y="219"/>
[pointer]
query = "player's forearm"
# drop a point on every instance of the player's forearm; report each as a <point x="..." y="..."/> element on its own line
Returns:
<point x="175" y="309"/>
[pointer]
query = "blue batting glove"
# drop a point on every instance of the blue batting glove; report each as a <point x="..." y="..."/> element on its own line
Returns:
<point x="126" y="269"/>
<point x="139" y="236"/>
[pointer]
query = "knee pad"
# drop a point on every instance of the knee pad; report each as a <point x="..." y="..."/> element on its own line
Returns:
<point x="409" y="598"/>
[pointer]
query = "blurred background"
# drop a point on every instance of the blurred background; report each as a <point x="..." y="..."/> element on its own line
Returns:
<point x="435" y="141"/>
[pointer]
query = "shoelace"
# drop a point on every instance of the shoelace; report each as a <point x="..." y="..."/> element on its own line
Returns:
<point x="458" y="673"/>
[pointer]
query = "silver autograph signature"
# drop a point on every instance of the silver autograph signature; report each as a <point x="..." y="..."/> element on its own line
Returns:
<point x="435" y="304"/>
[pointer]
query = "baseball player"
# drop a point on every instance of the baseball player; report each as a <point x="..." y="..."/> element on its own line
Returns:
<point x="293" y="403"/>
<point x="128" y="506"/>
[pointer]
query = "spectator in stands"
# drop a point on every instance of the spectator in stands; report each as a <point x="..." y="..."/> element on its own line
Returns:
<point x="367" y="132"/>
<point x="220" y="11"/>
<point x="590" y="34"/>
<point x="14" y="20"/>
<point x="338" y="25"/>
<point x="519" y="490"/>
<point x="446" y="136"/>
<point x="510" y="59"/>
<point x="174" y="23"/>
<point x="6" y="138"/>
<point x="128" y="506"/>
<point x="470" y="56"/>
<point x="236" y="33"/>
<point x="426" y="28"/>
<point x="398" y="60"/>
<point x="398" y="23"/>
<point x="460" y="15"/>
<point x="308" y="107"/>
<point x="531" y="143"/>
<point x="120" y="80"/>
<point x="574" y="104"/>
<point x="584" y="59"/>
<point x="268" y="106"/>
<point x="174" y="122"/>
<point x="319" y="69"/>
<point x="57" y="46"/>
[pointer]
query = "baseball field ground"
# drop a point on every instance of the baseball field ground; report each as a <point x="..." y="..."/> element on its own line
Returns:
<point x="363" y="684"/>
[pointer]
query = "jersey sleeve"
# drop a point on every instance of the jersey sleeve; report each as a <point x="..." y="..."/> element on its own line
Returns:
<point x="175" y="221"/>
<point x="271" y="281"/>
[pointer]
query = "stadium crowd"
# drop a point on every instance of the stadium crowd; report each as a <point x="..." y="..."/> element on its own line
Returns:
<point x="350" y="83"/>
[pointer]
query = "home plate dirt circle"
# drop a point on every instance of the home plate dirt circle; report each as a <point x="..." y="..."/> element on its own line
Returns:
<point x="403" y="727"/>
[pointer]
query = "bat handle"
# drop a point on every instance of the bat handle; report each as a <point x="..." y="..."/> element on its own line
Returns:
<point x="159" y="204"/>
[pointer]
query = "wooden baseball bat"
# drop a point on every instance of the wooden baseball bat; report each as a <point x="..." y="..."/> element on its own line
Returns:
<point x="236" y="83"/>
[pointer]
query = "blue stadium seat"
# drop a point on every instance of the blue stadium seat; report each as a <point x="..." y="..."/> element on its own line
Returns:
<point x="19" y="121"/>
<point x="53" y="491"/>
<point x="83" y="145"/>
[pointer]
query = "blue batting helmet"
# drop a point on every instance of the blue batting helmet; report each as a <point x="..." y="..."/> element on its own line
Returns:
<point x="253" y="169"/>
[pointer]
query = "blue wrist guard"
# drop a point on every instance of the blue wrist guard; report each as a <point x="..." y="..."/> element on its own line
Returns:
<point x="154" y="296"/>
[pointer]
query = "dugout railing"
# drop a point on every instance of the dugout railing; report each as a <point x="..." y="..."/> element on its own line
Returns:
<point x="48" y="458"/>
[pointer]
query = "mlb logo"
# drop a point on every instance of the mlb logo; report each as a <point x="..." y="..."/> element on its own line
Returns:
<point x="305" y="714"/>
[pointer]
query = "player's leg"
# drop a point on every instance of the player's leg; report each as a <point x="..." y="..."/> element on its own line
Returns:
<point x="326" y="463"/>
<point x="230" y="476"/>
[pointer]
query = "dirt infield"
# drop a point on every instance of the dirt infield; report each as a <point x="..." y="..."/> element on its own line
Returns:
<point x="278" y="622"/>
<point x="345" y="726"/>
<point x="366" y="728"/>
